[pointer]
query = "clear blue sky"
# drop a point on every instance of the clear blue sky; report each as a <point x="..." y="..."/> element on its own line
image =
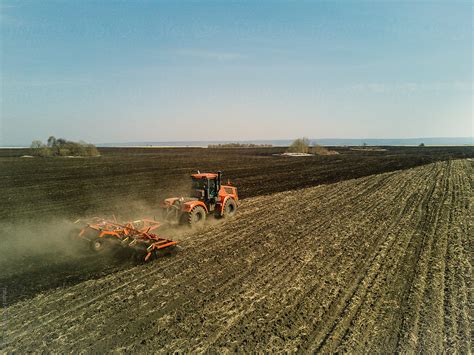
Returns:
<point x="118" y="71"/>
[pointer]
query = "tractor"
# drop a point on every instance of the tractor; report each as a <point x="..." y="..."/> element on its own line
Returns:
<point x="208" y="197"/>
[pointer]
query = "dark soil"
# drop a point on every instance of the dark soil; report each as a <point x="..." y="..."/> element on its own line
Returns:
<point x="129" y="181"/>
<point x="379" y="264"/>
<point x="38" y="193"/>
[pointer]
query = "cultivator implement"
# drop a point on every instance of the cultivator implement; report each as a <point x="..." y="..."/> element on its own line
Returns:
<point x="104" y="234"/>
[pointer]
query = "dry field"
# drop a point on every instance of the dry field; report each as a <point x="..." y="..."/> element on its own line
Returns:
<point x="376" y="264"/>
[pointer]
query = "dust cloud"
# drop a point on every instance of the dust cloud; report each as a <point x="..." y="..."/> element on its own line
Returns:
<point x="23" y="245"/>
<point x="46" y="239"/>
<point x="42" y="254"/>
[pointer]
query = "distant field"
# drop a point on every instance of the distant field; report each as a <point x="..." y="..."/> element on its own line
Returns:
<point x="128" y="181"/>
<point x="380" y="264"/>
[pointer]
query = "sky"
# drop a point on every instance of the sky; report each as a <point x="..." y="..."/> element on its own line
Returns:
<point x="129" y="71"/>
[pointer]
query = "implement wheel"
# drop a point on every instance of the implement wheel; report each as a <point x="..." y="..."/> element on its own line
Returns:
<point x="100" y="245"/>
<point x="196" y="217"/>
<point x="230" y="208"/>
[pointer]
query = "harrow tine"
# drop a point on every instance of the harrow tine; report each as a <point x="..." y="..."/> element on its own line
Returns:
<point x="166" y="245"/>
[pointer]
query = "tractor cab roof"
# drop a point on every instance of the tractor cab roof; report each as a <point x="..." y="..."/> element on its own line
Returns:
<point x="204" y="175"/>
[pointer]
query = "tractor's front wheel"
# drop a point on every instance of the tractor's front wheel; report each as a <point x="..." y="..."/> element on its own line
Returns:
<point x="196" y="217"/>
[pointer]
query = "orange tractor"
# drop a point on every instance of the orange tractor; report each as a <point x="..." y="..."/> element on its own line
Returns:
<point x="209" y="197"/>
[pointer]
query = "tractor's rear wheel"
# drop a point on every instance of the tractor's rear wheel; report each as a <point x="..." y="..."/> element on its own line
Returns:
<point x="230" y="208"/>
<point x="196" y="217"/>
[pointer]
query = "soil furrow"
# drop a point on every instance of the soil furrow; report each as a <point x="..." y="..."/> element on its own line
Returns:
<point x="352" y="301"/>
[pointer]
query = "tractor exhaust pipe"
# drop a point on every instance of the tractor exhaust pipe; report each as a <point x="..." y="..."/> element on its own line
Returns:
<point x="219" y="177"/>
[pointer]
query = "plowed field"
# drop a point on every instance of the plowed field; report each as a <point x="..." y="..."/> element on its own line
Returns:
<point x="126" y="181"/>
<point x="376" y="264"/>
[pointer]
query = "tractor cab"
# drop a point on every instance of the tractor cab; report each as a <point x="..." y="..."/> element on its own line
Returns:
<point x="208" y="196"/>
<point x="205" y="186"/>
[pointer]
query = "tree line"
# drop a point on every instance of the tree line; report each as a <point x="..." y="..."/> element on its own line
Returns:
<point x="61" y="147"/>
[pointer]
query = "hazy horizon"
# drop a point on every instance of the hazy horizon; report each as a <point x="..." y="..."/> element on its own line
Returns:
<point x="412" y="141"/>
<point x="209" y="71"/>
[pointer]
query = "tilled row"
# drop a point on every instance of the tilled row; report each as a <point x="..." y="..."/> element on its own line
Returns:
<point x="322" y="266"/>
<point x="438" y="301"/>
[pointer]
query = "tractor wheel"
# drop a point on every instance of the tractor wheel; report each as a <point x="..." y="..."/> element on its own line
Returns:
<point x="230" y="208"/>
<point x="196" y="217"/>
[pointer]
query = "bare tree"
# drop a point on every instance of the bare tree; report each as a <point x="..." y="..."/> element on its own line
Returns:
<point x="36" y="144"/>
<point x="39" y="149"/>
<point x="51" y="141"/>
<point x="300" y="145"/>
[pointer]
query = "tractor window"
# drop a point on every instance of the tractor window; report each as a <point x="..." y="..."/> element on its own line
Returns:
<point x="199" y="184"/>
<point x="212" y="188"/>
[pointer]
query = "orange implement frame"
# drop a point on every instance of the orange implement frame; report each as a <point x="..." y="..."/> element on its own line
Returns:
<point x="136" y="234"/>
